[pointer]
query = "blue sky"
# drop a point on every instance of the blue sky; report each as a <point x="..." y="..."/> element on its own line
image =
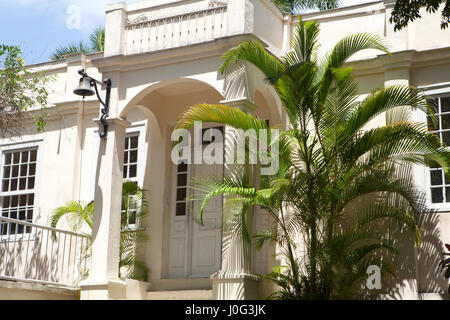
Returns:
<point x="39" y="26"/>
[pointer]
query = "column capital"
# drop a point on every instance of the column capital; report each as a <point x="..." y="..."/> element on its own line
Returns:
<point x="243" y="104"/>
<point x="115" y="121"/>
<point x="398" y="60"/>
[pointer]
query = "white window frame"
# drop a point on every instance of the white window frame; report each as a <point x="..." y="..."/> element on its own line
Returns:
<point x="16" y="146"/>
<point x="422" y="173"/>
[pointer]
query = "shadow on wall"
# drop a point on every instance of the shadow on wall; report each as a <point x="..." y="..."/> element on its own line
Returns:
<point x="418" y="272"/>
<point x="431" y="279"/>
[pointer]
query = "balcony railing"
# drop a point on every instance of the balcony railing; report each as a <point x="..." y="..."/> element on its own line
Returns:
<point x="144" y="35"/>
<point x="40" y="254"/>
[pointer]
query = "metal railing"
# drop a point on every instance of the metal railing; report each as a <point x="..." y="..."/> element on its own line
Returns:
<point x="39" y="254"/>
<point x="144" y="35"/>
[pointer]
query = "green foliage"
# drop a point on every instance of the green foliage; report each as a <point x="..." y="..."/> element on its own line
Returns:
<point x="20" y="91"/>
<point x="79" y="217"/>
<point x="342" y="189"/>
<point x="406" y="11"/>
<point x="445" y="265"/>
<point x="296" y="5"/>
<point x="96" y="44"/>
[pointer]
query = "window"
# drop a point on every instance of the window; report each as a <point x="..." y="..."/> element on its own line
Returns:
<point x="18" y="189"/>
<point x="181" y="192"/>
<point x="440" y="185"/>
<point x="130" y="160"/>
<point x="130" y="173"/>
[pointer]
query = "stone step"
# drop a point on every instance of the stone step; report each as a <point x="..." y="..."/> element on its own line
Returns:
<point x="180" y="295"/>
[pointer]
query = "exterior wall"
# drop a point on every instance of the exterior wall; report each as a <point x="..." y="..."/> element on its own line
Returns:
<point x="23" y="291"/>
<point x="154" y="82"/>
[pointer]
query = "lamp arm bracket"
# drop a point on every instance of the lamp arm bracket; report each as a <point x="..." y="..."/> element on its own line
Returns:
<point x="105" y="104"/>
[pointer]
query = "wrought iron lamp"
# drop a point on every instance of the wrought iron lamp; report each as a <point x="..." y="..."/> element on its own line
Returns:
<point x="85" y="89"/>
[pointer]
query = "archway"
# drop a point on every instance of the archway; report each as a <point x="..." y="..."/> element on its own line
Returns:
<point x="176" y="240"/>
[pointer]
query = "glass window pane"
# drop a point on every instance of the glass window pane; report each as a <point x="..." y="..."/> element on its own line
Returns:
<point x="22" y="183"/>
<point x="24" y="156"/>
<point x="133" y="171"/>
<point x="31" y="183"/>
<point x="30" y="199"/>
<point x="32" y="171"/>
<point x="13" y="214"/>
<point x="133" y="156"/>
<point x="134" y="142"/>
<point x="23" y="170"/>
<point x="6" y="202"/>
<point x="125" y="172"/>
<point x="182" y="167"/>
<point x="6" y="172"/>
<point x="125" y="157"/>
<point x="8" y="158"/>
<point x="445" y="104"/>
<point x="13" y="186"/>
<point x="16" y="157"/>
<point x="445" y="119"/>
<point x="5" y="185"/>
<point x="14" y="201"/>
<point x="181" y="194"/>
<point x="181" y="209"/>
<point x="127" y="143"/>
<point x="436" y="177"/>
<point x="23" y="200"/>
<point x="182" y="180"/>
<point x="437" y="195"/>
<point x="33" y="154"/>
<point x="30" y="215"/>
<point x="132" y="217"/>
<point x="3" y="229"/>
<point x="15" y="171"/>
<point x="446" y="137"/>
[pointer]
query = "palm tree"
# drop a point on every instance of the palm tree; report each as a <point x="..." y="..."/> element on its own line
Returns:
<point x="340" y="187"/>
<point x="97" y="44"/>
<point x="79" y="217"/>
<point x="297" y="5"/>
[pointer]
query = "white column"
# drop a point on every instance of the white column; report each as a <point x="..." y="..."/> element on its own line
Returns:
<point x="116" y="19"/>
<point x="235" y="280"/>
<point x="103" y="281"/>
<point x="240" y="17"/>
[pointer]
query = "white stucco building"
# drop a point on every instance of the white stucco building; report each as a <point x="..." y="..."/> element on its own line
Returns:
<point x="162" y="57"/>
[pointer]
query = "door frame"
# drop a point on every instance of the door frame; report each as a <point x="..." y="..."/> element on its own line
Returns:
<point x="188" y="238"/>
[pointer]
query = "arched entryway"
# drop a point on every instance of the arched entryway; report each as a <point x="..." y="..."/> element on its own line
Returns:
<point x="180" y="247"/>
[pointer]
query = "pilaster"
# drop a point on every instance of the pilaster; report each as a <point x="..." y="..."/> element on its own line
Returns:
<point x="103" y="281"/>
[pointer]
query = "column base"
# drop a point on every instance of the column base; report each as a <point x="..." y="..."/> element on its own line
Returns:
<point x="103" y="290"/>
<point x="242" y="286"/>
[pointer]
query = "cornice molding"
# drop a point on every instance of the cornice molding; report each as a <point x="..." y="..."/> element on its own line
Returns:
<point x="124" y="63"/>
<point x="401" y="60"/>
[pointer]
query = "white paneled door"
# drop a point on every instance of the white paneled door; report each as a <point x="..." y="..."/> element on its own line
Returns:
<point x="195" y="249"/>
